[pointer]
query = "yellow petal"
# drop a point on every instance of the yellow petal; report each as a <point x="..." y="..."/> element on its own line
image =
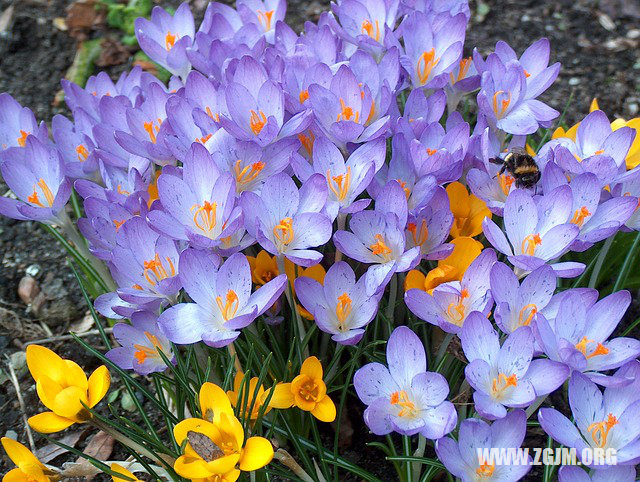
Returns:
<point x="325" y="410"/>
<point x="442" y="274"/>
<point x="191" y="468"/>
<point x="121" y="470"/>
<point x="224" y="464"/>
<point x="213" y="402"/>
<point x="99" y="383"/>
<point x="257" y="453"/>
<point x="194" y="425"/>
<point x="74" y="375"/>
<point x="282" y="396"/>
<point x="312" y="368"/>
<point x="414" y="279"/>
<point x="68" y="404"/>
<point x="231" y="432"/>
<point x="49" y="422"/>
<point x="44" y="362"/>
<point x="594" y="105"/>
<point x="465" y="250"/>
<point x="316" y="272"/>
<point x="530" y="150"/>
<point x="15" y="475"/>
<point x="477" y="213"/>
<point x="458" y="199"/>
<point x="19" y="454"/>
<point x="47" y="390"/>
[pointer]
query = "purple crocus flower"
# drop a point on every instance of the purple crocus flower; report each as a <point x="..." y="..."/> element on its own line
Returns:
<point x="404" y="397"/>
<point x="535" y="62"/>
<point x="340" y="306"/>
<point x="165" y="38"/>
<point x="451" y="303"/>
<point x="346" y="179"/>
<point x="537" y="231"/>
<point x="596" y="220"/>
<point x="504" y="98"/>
<point x="140" y="344"/>
<point x="250" y="164"/>
<point x="75" y="146"/>
<point x="144" y="264"/>
<point x="223" y="301"/>
<point x="602" y="421"/>
<point x="617" y="473"/>
<point x="287" y="221"/>
<point x="420" y="111"/>
<point x="35" y="174"/>
<point x="256" y="106"/>
<point x="199" y="206"/>
<point x="342" y="110"/>
<point x="367" y="24"/>
<point x="16" y="123"/>
<point x="517" y="305"/>
<point x="463" y="458"/>
<point x="265" y="14"/>
<point x="578" y="334"/>
<point x="594" y="137"/>
<point x="432" y="46"/>
<point x="462" y="80"/>
<point x="628" y="184"/>
<point x="505" y="376"/>
<point x="377" y="238"/>
<point x="429" y="228"/>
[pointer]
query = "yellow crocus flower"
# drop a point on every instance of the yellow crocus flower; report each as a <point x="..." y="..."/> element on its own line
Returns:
<point x="121" y="470"/>
<point x="63" y="387"/>
<point x="264" y="268"/>
<point x="451" y="268"/>
<point x="29" y="468"/>
<point x="468" y="211"/>
<point x="307" y="391"/>
<point x="251" y="388"/>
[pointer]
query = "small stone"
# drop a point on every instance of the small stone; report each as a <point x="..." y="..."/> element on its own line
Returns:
<point x="633" y="34"/>
<point x="19" y="362"/>
<point x="28" y="289"/>
<point x="525" y="18"/>
<point x="33" y="270"/>
<point x="633" y="108"/>
<point x="574" y="81"/>
<point x="12" y="434"/>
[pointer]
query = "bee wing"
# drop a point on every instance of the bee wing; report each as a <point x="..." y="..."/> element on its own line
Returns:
<point x="204" y="446"/>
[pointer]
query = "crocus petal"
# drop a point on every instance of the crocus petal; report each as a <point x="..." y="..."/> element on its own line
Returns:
<point x="49" y="422"/>
<point x="325" y="410"/>
<point x="99" y="383"/>
<point x="256" y="453"/>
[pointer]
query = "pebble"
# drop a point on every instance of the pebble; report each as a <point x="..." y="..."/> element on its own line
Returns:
<point x="19" y="362"/>
<point x="28" y="289"/>
<point x="633" y="108"/>
<point x="633" y="34"/>
<point x="574" y="81"/>
<point x="12" y="434"/>
<point x="33" y="270"/>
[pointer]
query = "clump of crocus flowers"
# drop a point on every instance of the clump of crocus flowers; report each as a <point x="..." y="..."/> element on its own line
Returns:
<point x="301" y="226"/>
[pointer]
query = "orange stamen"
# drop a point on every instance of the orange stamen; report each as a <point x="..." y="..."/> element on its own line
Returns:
<point x="230" y="306"/>
<point x="203" y="140"/>
<point x="46" y="192"/>
<point x="379" y="248"/>
<point x="580" y="215"/>
<point x="408" y="408"/>
<point x="265" y="19"/>
<point x="304" y="95"/>
<point x="342" y="183"/>
<point x="22" y="140"/>
<point x="431" y="152"/>
<point x="505" y="182"/>
<point x="504" y="104"/>
<point x="257" y="121"/>
<point x="284" y="231"/>
<point x="367" y="28"/>
<point x="247" y="173"/>
<point x="343" y="309"/>
<point x="457" y="312"/>
<point x="486" y="470"/>
<point x="529" y="244"/>
<point x="531" y="309"/>
<point x="307" y="142"/>
<point x="152" y="129"/>
<point x="143" y="352"/>
<point x="426" y="63"/>
<point x="118" y="223"/>
<point x="169" y="40"/>
<point x="403" y="185"/>
<point x="82" y="152"/>
<point x="600" y="430"/>
<point x="154" y="270"/>
<point x="598" y="152"/>
<point x="502" y="381"/>
<point x="347" y="113"/>
<point x="419" y="238"/>
<point x="204" y="216"/>
<point x="215" y="117"/>
<point x="600" y="349"/>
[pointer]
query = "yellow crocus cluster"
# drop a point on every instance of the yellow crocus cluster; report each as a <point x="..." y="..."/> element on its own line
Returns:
<point x="29" y="468"/>
<point x="63" y="388"/>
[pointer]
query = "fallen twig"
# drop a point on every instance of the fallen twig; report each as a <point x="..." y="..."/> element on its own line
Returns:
<point x="16" y="386"/>
<point x="67" y="337"/>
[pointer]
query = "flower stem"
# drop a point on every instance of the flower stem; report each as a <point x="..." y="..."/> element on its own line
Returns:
<point x="393" y="293"/>
<point x="234" y="355"/>
<point x="286" y="459"/>
<point x="535" y="405"/>
<point x="417" y="466"/>
<point x="302" y="333"/>
<point x="342" y="221"/>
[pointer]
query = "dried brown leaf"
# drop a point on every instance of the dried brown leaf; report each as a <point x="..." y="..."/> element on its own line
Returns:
<point x="51" y="451"/>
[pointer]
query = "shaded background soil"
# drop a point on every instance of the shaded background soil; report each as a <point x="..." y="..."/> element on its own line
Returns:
<point x="596" y="42"/>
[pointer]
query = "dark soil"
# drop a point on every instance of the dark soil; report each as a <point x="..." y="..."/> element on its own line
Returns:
<point x="596" y="42"/>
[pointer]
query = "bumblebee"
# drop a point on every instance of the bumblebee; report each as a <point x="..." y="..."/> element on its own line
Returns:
<point x="521" y="166"/>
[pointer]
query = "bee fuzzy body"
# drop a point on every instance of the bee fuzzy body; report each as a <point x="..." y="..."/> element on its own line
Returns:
<point x="521" y="166"/>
